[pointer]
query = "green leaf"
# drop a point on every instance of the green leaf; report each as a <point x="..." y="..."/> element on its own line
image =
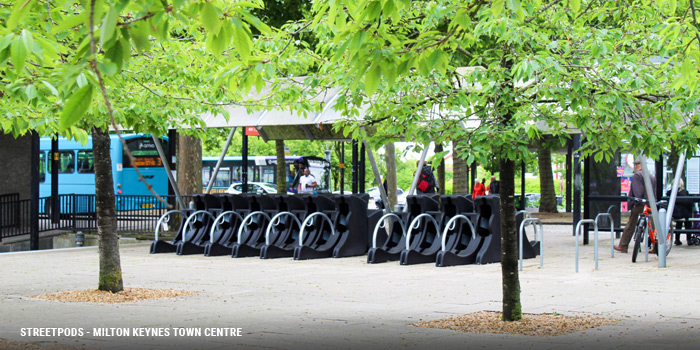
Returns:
<point x="20" y="9"/>
<point x="6" y="41"/>
<point x="109" y="25"/>
<point x="27" y="41"/>
<point x="69" y="22"/>
<point x="372" y="78"/>
<point x="30" y="91"/>
<point x="76" y="107"/>
<point x="139" y="34"/>
<point x="116" y="54"/>
<point x="241" y="39"/>
<point x="673" y="5"/>
<point x="108" y="68"/>
<point x="256" y="22"/>
<point x="497" y="7"/>
<point x="209" y="17"/>
<point x="389" y="71"/>
<point x="50" y="87"/>
<point x="19" y="54"/>
<point x="575" y="6"/>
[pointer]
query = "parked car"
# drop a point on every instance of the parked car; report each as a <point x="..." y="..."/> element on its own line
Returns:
<point x="253" y="187"/>
<point x="375" y="200"/>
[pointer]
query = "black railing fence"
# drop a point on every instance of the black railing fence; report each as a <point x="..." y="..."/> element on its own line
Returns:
<point x="72" y="212"/>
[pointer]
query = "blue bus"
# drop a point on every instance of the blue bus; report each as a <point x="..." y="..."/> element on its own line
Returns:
<point x="263" y="169"/>
<point x="76" y="173"/>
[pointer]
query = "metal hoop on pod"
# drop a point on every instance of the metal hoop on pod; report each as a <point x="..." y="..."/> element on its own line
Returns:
<point x="165" y="218"/>
<point x="275" y="220"/>
<point x="309" y="222"/>
<point x="189" y="221"/>
<point x="382" y="223"/>
<point x="249" y="216"/>
<point x="451" y="224"/>
<point x="219" y="220"/>
<point x="414" y="225"/>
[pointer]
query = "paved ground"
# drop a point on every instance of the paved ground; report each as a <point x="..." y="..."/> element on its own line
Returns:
<point x="348" y="304"/>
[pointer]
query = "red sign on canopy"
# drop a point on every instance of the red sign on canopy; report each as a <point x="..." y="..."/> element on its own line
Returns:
<point x="251" y="131"/>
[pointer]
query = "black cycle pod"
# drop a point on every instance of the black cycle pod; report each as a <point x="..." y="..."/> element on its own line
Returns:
<point x="251" y="232"/>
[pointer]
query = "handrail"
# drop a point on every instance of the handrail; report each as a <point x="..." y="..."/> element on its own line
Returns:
<point x="309" y="222"/>
<point x="217" y="222"/>
<point x="245" y="220"/>
<point x="163" y="217"/>
<point x="415" y="223"/>
<point x="278" y="217"/>
<point x="450" y="225"/>
<point x="534" y="221"/>
<point x="382" y="223"/>
<point x="612" y="231"/>
<point x="595" y="226"/>
<point x="188" y="222"/>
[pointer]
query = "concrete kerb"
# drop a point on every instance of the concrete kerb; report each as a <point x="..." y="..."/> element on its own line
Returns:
<point x="347" y="303"/>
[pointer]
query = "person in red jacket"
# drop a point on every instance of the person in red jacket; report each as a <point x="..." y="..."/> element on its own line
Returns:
<point x="479" y="189"/>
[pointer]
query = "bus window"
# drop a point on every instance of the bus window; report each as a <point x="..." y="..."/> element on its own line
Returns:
<point x="268" y="174"/>
<point x="66" y="162"/>
<point x="86" y="162"/>
<point x="42" y="166"/>
<point x="223" y="178"/>
<point x="145" y="153"/>
<point x="206" y="175"/>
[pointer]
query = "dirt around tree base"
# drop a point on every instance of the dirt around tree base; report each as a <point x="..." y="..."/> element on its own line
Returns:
<point x="539" y="325"/>
<point x="6" y="344"/>
<point x="128" y="295"/>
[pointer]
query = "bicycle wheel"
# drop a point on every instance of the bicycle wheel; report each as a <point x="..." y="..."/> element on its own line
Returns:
<point x="638" y="236"/>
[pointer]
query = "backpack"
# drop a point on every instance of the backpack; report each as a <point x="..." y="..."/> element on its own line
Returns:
<point x="423" y="183"/>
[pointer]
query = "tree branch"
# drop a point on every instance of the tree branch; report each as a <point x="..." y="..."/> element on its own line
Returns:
<point x="93" y="65"/>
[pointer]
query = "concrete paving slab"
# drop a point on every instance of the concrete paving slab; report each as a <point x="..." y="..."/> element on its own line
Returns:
<point x="349" y="304"/>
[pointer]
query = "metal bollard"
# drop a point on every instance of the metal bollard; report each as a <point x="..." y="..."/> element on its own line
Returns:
<point x="79" y="239"/>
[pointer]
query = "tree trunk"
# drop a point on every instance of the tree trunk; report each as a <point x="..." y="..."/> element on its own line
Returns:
<point x="512" y="310"/>
<point x="390" y="160"/>
<point x="440" y="170"/>
<point x="548" y="197"/>
<point x="189" y="165"/>
<point x="281" y="167"/>
<point x="110" y="278"/>
<point x="460" y="170"/>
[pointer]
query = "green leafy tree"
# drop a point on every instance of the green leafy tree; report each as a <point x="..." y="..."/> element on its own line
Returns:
<point x="145" y="65"/>
<point x="534" y="67"/>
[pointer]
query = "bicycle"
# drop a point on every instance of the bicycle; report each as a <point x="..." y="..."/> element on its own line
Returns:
<point x="646" y="231"/>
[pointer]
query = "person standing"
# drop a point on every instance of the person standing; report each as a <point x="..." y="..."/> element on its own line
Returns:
<point x="479" y="189"/>
<point x="494" y="186"/>
<point x="426" y="180"/>
<point x="300" y="173"/>
<point x="637" y="190"/>
<point x="307" y="182"/>
<point x="682" y="211"/>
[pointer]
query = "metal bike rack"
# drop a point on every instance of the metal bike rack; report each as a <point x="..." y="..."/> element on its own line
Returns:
<point x="450" y="225"/>
<point x="189" y="222"/>
<point x="246" y="219"/>
<point x="526" y="214"/>
<point x="165" y="218"/>
<point x="414" y="225"/>
<point x="382" y="224"/>
<point x="219" y="220"/>
<point x="595" y="226"/>
<point x="309" y="222"/>
<point x="275" y="220"/>
<point x="612" y="231"/>
<point x="534" y="222"/>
